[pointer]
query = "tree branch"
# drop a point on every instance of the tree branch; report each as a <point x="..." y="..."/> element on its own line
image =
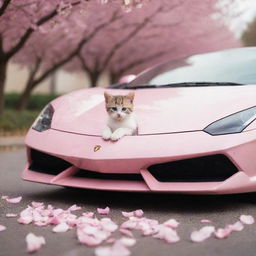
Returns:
<point x="128" y="38"/>
<point x="4" y="6"/>
<point x="76" y="51"/>
<point x="138" y="62"/>
<point x="29" y="31"/>
<point x="83" y="63"/>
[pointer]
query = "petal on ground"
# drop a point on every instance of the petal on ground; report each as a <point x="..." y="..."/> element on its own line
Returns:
<point x="247" y="219"/>
<point x="34" y="243"/>
<point x="14" y="200"/>
<point x="60" y="228"/>
<point x="2" y="228"/>
<point x="103" y="211"/>
<point x="202" y="234"/>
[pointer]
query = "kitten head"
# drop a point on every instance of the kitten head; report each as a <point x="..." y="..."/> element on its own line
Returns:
<point x="119" y="106"/>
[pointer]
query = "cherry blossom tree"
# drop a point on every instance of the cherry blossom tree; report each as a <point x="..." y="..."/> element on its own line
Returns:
<point x="19" y="19"/>
<point x="160" y="31"/>
<point x="96" y="39"/>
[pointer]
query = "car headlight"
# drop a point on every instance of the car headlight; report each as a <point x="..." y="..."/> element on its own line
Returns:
<point x="44" y="120"/>
<point x="234" y="123"/>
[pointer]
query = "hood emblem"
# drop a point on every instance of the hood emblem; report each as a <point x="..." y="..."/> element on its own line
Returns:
<point x="96" y="148"/>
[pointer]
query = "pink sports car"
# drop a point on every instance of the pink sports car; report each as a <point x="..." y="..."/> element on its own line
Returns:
<point x="196" y="131"/>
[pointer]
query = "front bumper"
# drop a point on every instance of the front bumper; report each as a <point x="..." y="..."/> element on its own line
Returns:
<point x="134" y="154"/>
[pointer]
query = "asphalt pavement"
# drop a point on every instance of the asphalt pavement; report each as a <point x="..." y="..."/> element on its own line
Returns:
<point x="187" y="209"/>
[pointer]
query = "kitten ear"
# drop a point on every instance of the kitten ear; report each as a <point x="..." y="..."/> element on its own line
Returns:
<point x="107" y="96"/>
<point x="130" y="96"/>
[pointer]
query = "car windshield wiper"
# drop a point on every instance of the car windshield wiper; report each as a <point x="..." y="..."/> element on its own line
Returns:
<point x="185" y="84"/>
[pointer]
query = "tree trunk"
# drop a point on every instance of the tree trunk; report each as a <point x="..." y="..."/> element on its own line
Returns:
<point x="114" y="77"/>
<point x="94" y="77"/>
<point x="24" y="98"/>
<point x="3" y="70"/>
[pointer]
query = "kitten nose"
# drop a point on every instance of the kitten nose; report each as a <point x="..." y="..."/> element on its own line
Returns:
<point x="118" y="115"/>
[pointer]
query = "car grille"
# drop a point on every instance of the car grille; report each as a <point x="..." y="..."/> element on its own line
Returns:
<point x="45" y="163"/>
<point x="200" y="169"/>
<point x="108" y="176"/>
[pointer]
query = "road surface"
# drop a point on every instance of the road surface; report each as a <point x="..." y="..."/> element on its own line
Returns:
<point x="187" y="209"/>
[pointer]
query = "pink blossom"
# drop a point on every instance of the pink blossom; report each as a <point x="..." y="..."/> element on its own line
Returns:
<point x="104" y="211"/>
<point x="237" y="226"/>
<point x="74" y="208"/>
<point x="205" y="221"/>
<point x="222" y="232"/>
<point x="14" y="200"/>
<point x="11" y="215"/>
<point x="34" y="243"/>
<point x="60" y="228"/>
<point x="88" y="214"/>
<point x="202" y="234"/>
<point x="136" y="213"/>
<point x="168" y="234"/>
<point x="247" y="219"/>
<point x="127" y="241"/>
<point x="172" y="223"/>
<point x="37" y="204"/>
<point x="126" y="232"/>
<point x="2" y="228"/>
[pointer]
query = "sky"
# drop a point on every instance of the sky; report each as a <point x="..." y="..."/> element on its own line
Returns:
<point x="243" y="11"/>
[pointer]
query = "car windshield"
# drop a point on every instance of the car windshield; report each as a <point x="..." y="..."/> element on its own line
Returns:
<point x="229" y="67"/>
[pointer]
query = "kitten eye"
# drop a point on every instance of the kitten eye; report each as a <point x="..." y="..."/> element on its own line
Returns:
<point x="114" y="108"/>
<point x="124" y="109"/>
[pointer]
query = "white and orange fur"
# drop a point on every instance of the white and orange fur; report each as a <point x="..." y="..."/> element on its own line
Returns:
<point x="121" y="120"/>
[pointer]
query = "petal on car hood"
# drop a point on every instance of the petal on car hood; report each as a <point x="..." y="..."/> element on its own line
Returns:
<point x="164" y="110"/>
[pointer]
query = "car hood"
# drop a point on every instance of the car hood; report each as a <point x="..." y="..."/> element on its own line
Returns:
<point x="163" y="110"/>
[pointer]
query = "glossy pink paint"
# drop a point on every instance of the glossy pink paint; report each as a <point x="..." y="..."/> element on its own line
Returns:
<point x="170" y="128"/>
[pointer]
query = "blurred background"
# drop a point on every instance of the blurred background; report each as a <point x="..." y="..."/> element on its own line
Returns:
<point x="48" y="48"/>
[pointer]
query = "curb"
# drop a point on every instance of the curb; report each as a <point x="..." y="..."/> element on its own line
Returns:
<point x="12" y="142"/>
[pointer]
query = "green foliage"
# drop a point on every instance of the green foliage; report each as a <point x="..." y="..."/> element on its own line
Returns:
<point x="36" y="101"/>
<point x="12" y="121"/>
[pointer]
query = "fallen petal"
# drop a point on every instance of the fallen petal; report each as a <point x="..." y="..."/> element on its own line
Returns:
<point x="25" y="220"/>
<point x="11" y="215"/>
<point x="37" y="204"/>
<point x="126" y="232"/>
<point x="88" y="214"/>
<point x="103" y="251"/>
<point x="34" y="243"/>
<point x="238" y="226"/>
<point x="203" y="234"/>
<point x="247" y="219"/>
<point x="104" y="211"/>
<point x="138" y="213"/>
<point x="2" y="228"/>
<point x="14" y="200"/>
<point x="222" y="233"/>
<point x="127" y="241"/>
<point x="205" y="221"/>
<point x="171" y="223"/>
<point x="62" y="227"/>
<point x="74" y="207"/>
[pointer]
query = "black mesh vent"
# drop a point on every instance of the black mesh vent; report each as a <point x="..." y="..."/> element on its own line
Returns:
<point x="44" y="163"/>
<point x="200" y="169"/>
<point x="108" y="176"/>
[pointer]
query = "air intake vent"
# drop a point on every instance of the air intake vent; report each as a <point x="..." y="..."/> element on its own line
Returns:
<point x="108" y="176"/>
<point x="201" y="169"/>
<point x="45" y="163"/>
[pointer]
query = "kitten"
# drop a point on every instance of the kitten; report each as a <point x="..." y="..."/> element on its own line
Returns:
<point x="121" y="120"/>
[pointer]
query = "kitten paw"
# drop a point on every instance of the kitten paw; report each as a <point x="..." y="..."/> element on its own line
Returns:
<point x="116" y="136"/>
<point x="106" y="134"/>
